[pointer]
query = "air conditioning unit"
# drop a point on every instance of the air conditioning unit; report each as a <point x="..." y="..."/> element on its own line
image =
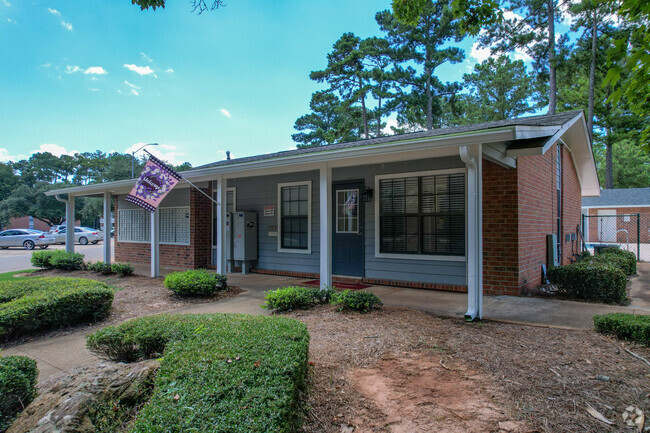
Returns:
<point x="551" y="251"/>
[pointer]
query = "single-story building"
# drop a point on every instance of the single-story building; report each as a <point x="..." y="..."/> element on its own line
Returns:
<point x="476" y="209"/>
<point x="27" y="222"/>
<point x="617" y="216"/>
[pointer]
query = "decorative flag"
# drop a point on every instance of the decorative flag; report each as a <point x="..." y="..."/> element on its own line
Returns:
<point x="351" y="202"/>
<point x="155" y="181"/>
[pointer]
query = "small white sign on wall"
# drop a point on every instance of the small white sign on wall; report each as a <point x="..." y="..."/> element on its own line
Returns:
<point x="269" y="210"/>
<point x="626" y="218"/>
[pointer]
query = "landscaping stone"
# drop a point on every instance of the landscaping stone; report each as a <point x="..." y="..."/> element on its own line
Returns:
<point x="65" y="401"/>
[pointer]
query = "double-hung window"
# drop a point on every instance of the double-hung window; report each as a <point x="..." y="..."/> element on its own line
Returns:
<point x="294" y="217"/>
<point x="422" y="214"/>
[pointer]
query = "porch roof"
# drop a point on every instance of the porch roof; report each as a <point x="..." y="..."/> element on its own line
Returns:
<point x="503" y="142"/>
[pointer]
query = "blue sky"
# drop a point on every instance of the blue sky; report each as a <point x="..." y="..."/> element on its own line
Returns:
<point x="101" y="74"/>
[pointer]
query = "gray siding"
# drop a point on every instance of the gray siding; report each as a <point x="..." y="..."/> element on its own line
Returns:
<point x="254" y="193"/>
<point x="423" y="271"/>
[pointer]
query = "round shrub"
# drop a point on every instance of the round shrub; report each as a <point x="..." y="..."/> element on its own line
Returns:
<point x="357" y="300"/>
<point x="30" y="305"/>
<point x="195" y="282"/>
<point x="590" y="280"/>
<point x="295" y="298"/>
<point x="17" y="386"/>
<point x="58" y="259"/>
<point x="626" y="260"/>
<point x="42" y="259"/>
<point x="100" y="267"/>
<point x="122" y="269"/>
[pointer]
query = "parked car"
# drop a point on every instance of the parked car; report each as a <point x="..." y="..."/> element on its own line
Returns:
<point x="26" y="238"/>
<point x="55" y="229"/>
<point x="82" y="235"/>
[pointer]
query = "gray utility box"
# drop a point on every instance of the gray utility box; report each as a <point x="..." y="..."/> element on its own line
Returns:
<point x="244" y="237"/>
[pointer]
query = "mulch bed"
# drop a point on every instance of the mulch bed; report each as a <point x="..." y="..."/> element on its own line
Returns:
<point x="540" y="378"/>
<point x="136" y="296"/>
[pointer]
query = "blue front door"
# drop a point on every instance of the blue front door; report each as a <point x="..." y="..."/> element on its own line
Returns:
<point x="347" y="228"/>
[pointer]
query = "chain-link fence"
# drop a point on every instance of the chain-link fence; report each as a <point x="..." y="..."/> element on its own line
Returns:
<point x="630" y="232"/>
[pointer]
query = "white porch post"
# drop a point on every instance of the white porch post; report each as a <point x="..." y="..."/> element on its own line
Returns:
<point x="472" y="157"/>
<point x="325" y="227"/>
<point x="69" y="224"/>
<point x="221" y="225"/>
<point x="107" y="227"/>
<point x="155" y="243"/>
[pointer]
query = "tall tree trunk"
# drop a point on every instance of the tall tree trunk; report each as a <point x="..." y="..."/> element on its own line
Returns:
<point x="552" y="87"/>
<point x="379" y="117"/>
<point x="365" y="114"/>
<point x="609" y="160"/>
<point x="429" y="100"/>
<point x="592" y="76"/>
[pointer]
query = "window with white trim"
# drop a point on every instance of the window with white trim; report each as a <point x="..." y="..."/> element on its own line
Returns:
<point x="294" y="216"/>
<point x="134" y="225"/>
<point x="422" y="215"/>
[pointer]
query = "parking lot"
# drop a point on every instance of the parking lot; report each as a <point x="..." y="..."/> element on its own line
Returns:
<point x="16" y="259"/>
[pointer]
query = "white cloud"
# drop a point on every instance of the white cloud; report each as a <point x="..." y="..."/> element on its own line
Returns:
<point x="6" y="156"/>
<point x="72" y="69"/>
<point x="140" y="70"/>
<point x="66" y="26"/>
<point x="11" y="21"/>
<point x="133" y="89"/>
<point x="54" y="12"/>
<point x="46" y="65"/>
<point x="480" y="54"/>
<point x="166" y="152"/>
<point x="225" y="112"/>
<point x="146" y="57"/>
<point x="93" y="90"/>
<point x="6" y="3"/>
<point x="95" y="70"/>
<point x="54" y="149"/>
<point x="169" y="71"/>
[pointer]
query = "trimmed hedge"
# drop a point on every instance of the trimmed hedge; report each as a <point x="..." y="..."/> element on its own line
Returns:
<point x="35" y="304"/>
<point x="296" y="298"/>
<point x="624" y="325"/>
<point x="17" y="387"/>
<point x="58" y="259"/>
<point x="626" y="260"/>
<point x="195" y="282"/>
<point x="218" y="373"/>
<point x="121" y="269"/>
<point x="590" y="280"/>
<point x="362" y="301"/>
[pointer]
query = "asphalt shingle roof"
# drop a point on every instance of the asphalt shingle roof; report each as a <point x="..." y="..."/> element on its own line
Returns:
<point x="619" y="197"/>
<point x="543" y="120"/>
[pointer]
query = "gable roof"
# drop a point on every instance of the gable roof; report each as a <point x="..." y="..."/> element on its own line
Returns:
<point x="619" y="197"/>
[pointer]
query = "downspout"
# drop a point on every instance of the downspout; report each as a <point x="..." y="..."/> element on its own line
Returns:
<point x="62" y="200"/>
<point x="474" y="233"/>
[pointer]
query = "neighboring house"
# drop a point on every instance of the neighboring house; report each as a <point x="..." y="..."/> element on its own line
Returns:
<point x="466" y="209"/>
<point x="631" y="207"/>
<point x="27" y="222"/>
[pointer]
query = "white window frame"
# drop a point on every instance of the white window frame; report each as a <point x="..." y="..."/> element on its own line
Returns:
<point x="309" y="215"/>
<point x="428" y="257"/>
<point x="117" y="236"/>
<point x="336" y="215"/>
<point x="147" y="218"/>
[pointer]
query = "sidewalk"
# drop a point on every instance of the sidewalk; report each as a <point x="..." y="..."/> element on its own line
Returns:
<point x="65" y="352"/>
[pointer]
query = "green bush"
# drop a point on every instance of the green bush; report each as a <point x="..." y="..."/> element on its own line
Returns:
<point x="100" y="267"/>
<point x="42" y="259"/>
<point x="17" y="387"/>
<point x="58" y="259"/>
<point x="218" y="373"/>
<point x="37" y="304"/>
<point x="195" y="282"/>
<point x="626" y="260"/>
<point x="625" y="326"/>
<point x="296" y="298"/>
<point x="357" y="300"/>
<point x="122" y="269"/>
<point x="590" y="280"/>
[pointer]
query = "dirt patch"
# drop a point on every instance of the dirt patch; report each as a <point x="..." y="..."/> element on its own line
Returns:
<point x="136" y="296"/>
<point x="381" y="372"/>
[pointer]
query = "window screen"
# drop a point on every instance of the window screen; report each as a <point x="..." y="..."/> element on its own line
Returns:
<point x="423" y="215"/>
<point x="294" y="218"/>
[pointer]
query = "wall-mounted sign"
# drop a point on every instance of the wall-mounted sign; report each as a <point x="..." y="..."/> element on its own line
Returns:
<point x="250" y="226"/>
<point x="269" y="210"/>
<point x="273" y="234"/>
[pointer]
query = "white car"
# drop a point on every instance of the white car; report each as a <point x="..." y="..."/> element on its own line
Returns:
<point x="82" y="235"/>
<point x="26" y="238"/>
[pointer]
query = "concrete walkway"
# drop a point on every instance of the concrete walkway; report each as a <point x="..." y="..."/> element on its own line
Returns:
<point x="58" y="354"/>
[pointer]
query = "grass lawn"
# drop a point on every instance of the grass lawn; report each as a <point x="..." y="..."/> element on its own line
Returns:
<point x="11" y="275"/>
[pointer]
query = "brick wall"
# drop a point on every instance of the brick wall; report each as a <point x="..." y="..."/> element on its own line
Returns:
<point x="500" y="233"/>
<point x="619" y="223"/>
<point x="571" y="207"/>
<point x="195" y="255"/>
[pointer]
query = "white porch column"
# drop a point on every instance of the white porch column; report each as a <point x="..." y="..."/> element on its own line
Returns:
<point x="221" y="225"/>
<point x="155" y="243"/>
<point x="472" y="157"/>
<point x="107" y="227"/>
<point x="325" y="227"/>
<point x="69" y="224"/>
